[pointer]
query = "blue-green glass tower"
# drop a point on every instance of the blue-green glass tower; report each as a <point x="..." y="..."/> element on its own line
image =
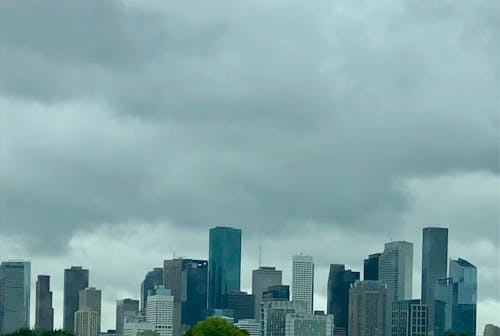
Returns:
<point x="224" y="264"/>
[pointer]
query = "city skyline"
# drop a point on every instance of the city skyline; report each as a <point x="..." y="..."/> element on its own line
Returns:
<point x="129" y="128"/>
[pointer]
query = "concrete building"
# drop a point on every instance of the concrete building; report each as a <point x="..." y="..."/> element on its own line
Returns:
<point x="91" y="298"/>
<point x="86" y="322"/>
<point x="75" y="279"/>
<point x="15" y="277"/>
<point x="224" y="264"/>
<point x="124" y="308"/>
<point x="339" y="283"/>
<point x="273" y="315"/>
<point x="370" y="267"/>
<point x="242" y="304"/>
<point x="367" y="308"/>
<point x="409" y="318"/>
<point x="152" y="279"/>
<point x="303" y="280"/>
<point x="262" y="279"/>
<point x="491" y="330"/>
<point x="136" y="324"/>
<point x="160" y="311"/>
<point x="309" y="324"/>
<point x="434" y="265"/>
<point x="44" y="312"/>
<point x="250" y="325"/>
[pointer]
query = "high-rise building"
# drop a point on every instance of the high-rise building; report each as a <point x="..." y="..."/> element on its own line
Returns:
<point x="187" y="278"/>
<point x="464" y="277"/>
<point x="273" y="315"/>
<point x="491" y="330"/>
<point x="308" y="324"/>
<point x="370" y="269"/>
<point x="44" y="313"/>
<point x="409" y="318"/>
<point x="75" y="279"/>
<point x="339" y="282"/>
<point x="242" y="304"/>
<point x="90" y="299"/>
<point x="303" y="280"/>
<point x="125" y="307"/>
<point x="224" y="264"/>
<point x="152" y="279"/>
<point x="443" y="291"/>
<point x="15" y="277"/>
<point x="250" y="325"/>
<point x="262" y="279"/>
<point x="136" y="324"/>
<point x="434" y="265"/>
<point x="86" y="322"/>
<point x="160" y="311"/>
<point x="276" y="293"/>
<point x="367" y="308"/>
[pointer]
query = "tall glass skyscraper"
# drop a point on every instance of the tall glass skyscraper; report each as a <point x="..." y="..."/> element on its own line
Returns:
<point x="44" y="318"/>
<point x="370" y="267"/>
<point x="224" y="264"/>
<point x="339" y="282"/>
<point x="15" y="277"/>
<point x="75" y="279"/>
<point x="151" y="280"/>
<point x="434" y="265"/>
<point x="464" y="277"/>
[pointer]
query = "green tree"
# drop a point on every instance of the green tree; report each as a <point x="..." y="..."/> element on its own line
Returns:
<point x="39" y="332"/>
<point x="215" y="326"/>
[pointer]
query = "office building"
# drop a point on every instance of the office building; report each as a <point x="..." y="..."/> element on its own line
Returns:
<point x="308" y="324"/>
<point x="90" y="299"/>
<point x="434" y="265"/>
<point x="276" y="293"/>
<point x="262" y="279"/>
<point x="224" y="264"/>
<point x="225" y="314"/>
<point x="491" y="330"/>
<point x="242" y="304"/>
<point x="443" y="291"/>
<point x="86" y="322"/>
<point x="125" y="307"/>
<point x="396" y="270"/>
<point x="273" y="315"/>
<point x="250" y="325"/>
<point x="44" y="313"/>
<point x="339" y="283"/>
<point x="75" y="279"/>
<point x="160" y="311"/>
<point x="136" y="324"/>
<point x="303" y="280"/>
<point x="409" y="318"/>
<point x="464" y="277"/>
<point x="15" y="277"/>
<point x="187" y="278"/>
<point x="370" y="267"/>
<point x="367" y="308"/>
<point x="152" y="279"/>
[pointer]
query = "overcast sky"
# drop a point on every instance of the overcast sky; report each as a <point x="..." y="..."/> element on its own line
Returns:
<point x="128" y="129"/>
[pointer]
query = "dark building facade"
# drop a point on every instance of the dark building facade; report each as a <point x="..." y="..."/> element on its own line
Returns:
<point x="408" y="318"/>
<point x="224" y="264"/>
<point x="44" y="313"/>
<point x="434" y="265"/>
<point x="339" y="282"/>
<point x="124" y="308"/>
<point x="187" y="278"/>
<point x="75" y="279"/>
<point x="242" y="303"/>
<point x="151" y="280"/>
<point x="464" y="277"/>
<point x="370" y="267"/>
<point x="277" y="293"/>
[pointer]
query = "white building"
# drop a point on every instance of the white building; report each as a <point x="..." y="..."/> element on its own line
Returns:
<point x="91" y="298"/>
<point x="308" y="324"/>
<point x="303" y="280"/>
<point x="15" y="277"/>
<point x="274" y="313"/>
<point x="86" y="322"/>
<point x="135" y="324"/>
<point x="160" y="311"/>
<point x="250" y="325"/>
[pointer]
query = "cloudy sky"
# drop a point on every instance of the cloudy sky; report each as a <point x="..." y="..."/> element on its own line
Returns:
<point x="128" y="129"/>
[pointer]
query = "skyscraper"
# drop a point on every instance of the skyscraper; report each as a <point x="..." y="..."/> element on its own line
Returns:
<point x="90" y="299"/>
<point x="276" y="293"/>
<point x="262" y="279"/>
<point x="339" y="282"/>
<point x="86" y="322"/>
<point x="44" y="318"/>
<point x="273" y="319"/>
<point x="443" y="291"/>
<point x="187" y="278"/>
<point x="370" y="269"/>
<point x="15" y="277"/>
<point x="367" y="308"/>
<point x="307" y="324"/>
<point x="434" y="265"/>
<point x="75" y="279"/>
<point x="242" y="304"/>
<point x="125" y="308"/>
<point x="464" y="277"/>
<point x="396" y="270"/>
<point x="224" y="264"/>
<point x="151" y="280"/>
<point x="160" y="311"/>
<point x="409" y="318"/>
<point x="303" y="280"/>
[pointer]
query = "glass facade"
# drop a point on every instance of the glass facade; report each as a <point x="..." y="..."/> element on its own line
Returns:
<point x="370" y="267"/>
<point x="153" y="279"/>
<point x="14" y="295"/>
<point x="75" y="279"/>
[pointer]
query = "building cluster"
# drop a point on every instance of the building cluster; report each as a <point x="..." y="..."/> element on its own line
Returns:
<point x="183" y="292"/>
